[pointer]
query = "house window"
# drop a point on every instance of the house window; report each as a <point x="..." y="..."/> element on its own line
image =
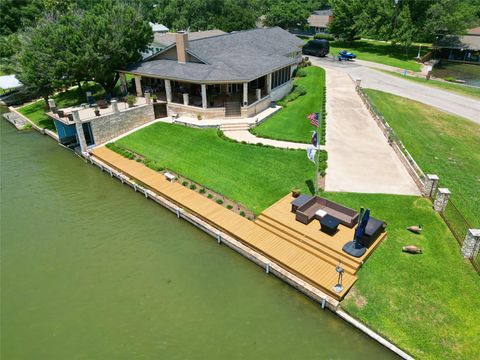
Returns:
<point x="280" y="77"/>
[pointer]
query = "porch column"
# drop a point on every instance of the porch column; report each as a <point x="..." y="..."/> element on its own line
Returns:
<point x="204" y="96"/>
<point x="168" y="90"/>
<point x="245" y="94"/>
<point x="123" y="83"/>
<point x="185" y="99"/>
<point x="138" y="85"/>
<point x="269" y="83"/>
<point x="80" y="133"/>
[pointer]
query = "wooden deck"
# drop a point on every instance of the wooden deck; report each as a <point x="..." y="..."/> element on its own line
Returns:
<point x="300" y="249"/>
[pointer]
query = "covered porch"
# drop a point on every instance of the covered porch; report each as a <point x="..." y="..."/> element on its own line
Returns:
<point x="205" y="99"/>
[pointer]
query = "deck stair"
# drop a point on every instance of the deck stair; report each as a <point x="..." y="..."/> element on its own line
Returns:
<point x="235" y="126"/>
<point x="308" y="243"/>
<point x="233" y="109"/>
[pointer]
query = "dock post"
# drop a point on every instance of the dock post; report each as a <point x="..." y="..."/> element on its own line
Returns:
<point x="267" y="268"/>
<point x="324" y="303"/>
<point x="145" y="192"/>
<point x="178" y="213"/>
<point x="219" y="238"/>
<point x="134" y="187"/>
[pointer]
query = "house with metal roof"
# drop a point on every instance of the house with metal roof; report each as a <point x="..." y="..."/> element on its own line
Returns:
<point x="236" y="74"/>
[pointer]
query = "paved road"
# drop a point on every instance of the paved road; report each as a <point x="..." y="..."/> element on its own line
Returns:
<point x="447" y="101"/>
<point x="359" y="157"/>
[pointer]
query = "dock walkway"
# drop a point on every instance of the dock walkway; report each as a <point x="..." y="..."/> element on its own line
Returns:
<point x="315" y="265"/>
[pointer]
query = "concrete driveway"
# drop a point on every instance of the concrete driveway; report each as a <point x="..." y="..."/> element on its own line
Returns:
<point x="447" y="101"/>
<point x="359" y="157"/>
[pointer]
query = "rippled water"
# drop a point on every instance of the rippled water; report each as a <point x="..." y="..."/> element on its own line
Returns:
<point x="92" y="270"/>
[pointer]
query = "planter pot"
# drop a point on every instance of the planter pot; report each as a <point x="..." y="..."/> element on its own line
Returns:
<point x="295" y="193"/>
<point x="97" y="112"/>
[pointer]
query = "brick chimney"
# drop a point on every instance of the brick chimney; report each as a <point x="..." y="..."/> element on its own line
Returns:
<point x="181" y="40"/>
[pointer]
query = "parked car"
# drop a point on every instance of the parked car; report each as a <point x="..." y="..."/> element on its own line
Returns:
<point x="316" y="47"/>
<point x="345" y="55"/>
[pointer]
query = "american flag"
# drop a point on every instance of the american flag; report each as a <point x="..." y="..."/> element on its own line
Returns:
<point x="313" y="119"/>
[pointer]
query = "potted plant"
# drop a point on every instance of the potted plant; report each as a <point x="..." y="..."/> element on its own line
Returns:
<point x="96" y="111"/>
<point x="154" y="98"/>
<point x="296" y="192"/>
<point x="130" y="100"/>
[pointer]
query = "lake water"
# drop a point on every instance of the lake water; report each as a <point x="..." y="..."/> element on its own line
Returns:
<point x="93" y="270"/>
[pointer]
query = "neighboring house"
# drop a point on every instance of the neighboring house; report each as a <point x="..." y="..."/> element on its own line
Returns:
<point x="163" y="39"/>
<point x="461" y="48"/>
<point x="319" y="20"/>
<point x="236" y="74"/>
<point x="317" y="23"/>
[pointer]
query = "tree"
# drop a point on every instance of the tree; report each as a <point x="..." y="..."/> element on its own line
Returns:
<point x="404" y="30"/>
<point x="344" y="24"/>
<point x="451" y="17"/>
<point x="287" y="14"/>
<point x="40" y="68"/>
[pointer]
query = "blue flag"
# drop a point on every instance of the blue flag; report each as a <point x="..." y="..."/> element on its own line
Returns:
<point x="315" y="139"/>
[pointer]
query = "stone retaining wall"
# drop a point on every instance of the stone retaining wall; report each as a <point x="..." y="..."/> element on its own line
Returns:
<point x="107" y="127"/>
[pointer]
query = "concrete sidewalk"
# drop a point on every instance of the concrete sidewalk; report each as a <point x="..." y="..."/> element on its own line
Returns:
<point x="359" y="157"/>
<point x="248" y="137"/>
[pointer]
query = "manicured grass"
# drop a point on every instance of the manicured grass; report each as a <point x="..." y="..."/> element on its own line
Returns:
<point x="255" y="176"/>
<point x="36" y="111"/>
<point x="427" y="304"/>
<point x="457" y="88"/>
<point x="441" y="144"/>
<point x="380" y="52"/>
<point x="290" y="123"/>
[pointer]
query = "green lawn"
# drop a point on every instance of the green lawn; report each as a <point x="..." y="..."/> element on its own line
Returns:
<point x="428" y="304"/>
<point x="252" y="175"/>
<point x="36" y="111"/>
<point x="290" y="123"/>
<point x="457" y="88"/>
<point x="380" y="52"/>
<point x="440" y="143"/>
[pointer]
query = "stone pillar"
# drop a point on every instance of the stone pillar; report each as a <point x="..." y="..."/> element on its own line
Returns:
<point x="138" y="85"/>
<point x="269" y="83"/>
<point x="115" y="106"/>
<point x="185" y="99"/>
<point x="441" y="200"/>
<point x="123" y="83"/>
<point x="430" y="185"/>
<point x="204" y="96"/>
<point x="51" y="103"/>
<point x="245" y="94"/>
<point x="80" y="133"/>
<point x="471" y="244"/>
<point x="258" y="93"/>
<point x="358" y="82"/>
<point x="168" y="91"/>
<point x="148" y="100"/>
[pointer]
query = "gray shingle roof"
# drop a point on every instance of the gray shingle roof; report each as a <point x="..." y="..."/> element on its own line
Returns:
<point x="238" y="56"/>
<point x="471" y="42"/>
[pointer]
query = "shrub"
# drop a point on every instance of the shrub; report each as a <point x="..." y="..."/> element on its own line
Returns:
<point x="300" y="72"/>
<point x="185" y="183"/>
<point x="193" y="187"/>
<point x="138" y="160"/>
<point x="242" y="213"/>
<point x="450" y="78"/>
<point x="219" y="201"/>
<point x="210" y="196"/>
<point x="229" y="207"/>
<point x="324" y="36"/>
<point x="154" y="165"/>
<point x="202" y="191"/>
<point x="302" y="90"/>
<point x="130" y="100"/>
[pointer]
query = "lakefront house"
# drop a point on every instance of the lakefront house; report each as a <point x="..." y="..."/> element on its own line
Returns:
<point x="235" y="74"/>
<point x="229" y="75"/>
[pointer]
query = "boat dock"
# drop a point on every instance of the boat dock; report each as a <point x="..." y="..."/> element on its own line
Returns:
<point x="300" y="249"/>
